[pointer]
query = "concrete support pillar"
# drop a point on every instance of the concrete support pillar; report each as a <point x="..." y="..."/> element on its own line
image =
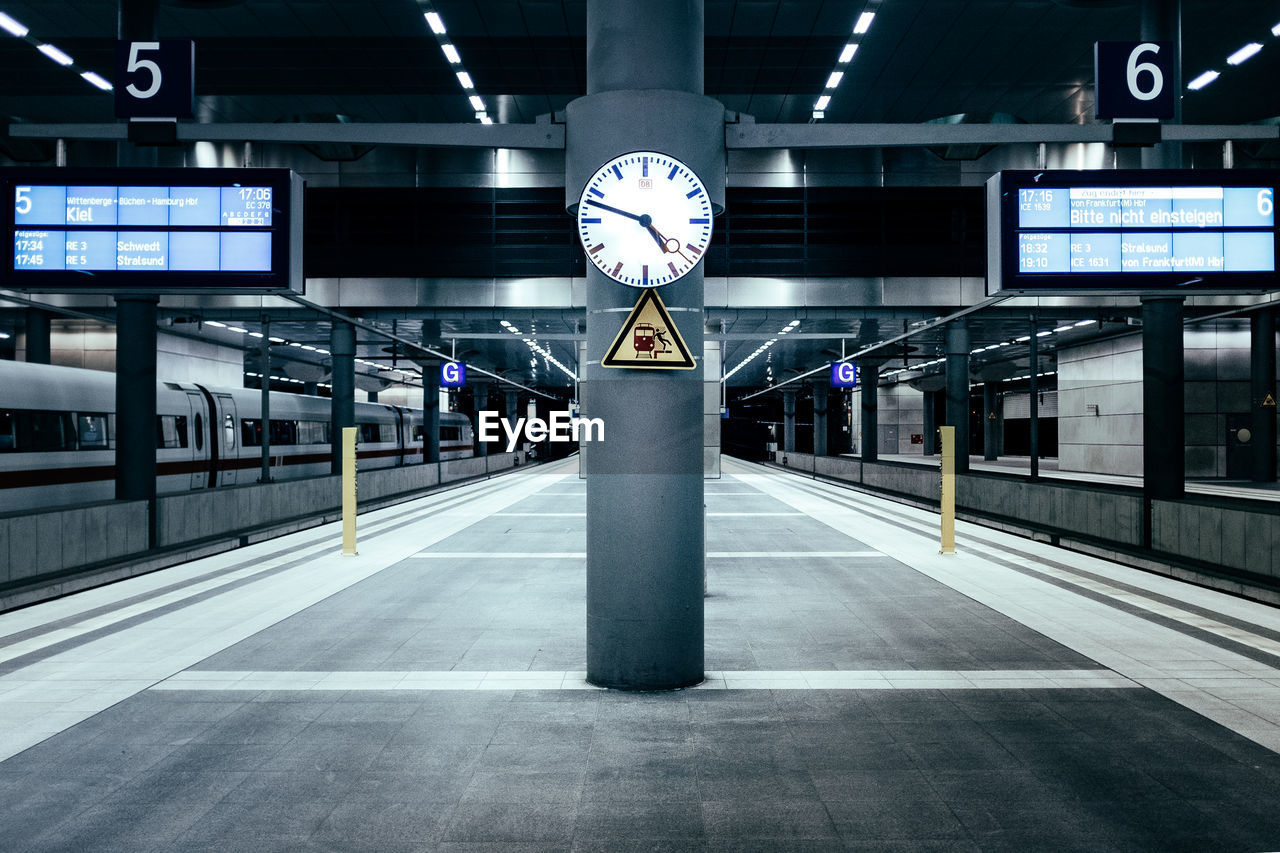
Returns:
<point x="39" y="343"/>
<point x="958" y="390"/>
<point x="1033" y="349"/>
<point x="930" y="425"/>
<point x="481" y="396"/>
<point x="788" y="420"/>
<point x="264" y="368"/>
<point x="512" y="408"/>
<point x="991" y="421"/>
<point x="431" y="411"/>
<point x="1161" y="20"/>
<point x="1262" y="378"/>
<point x="645" y="536"/>
<point x="342" y="407"/>
<point x="135" y="434"/>
<point x="869" y="385"/>
<point x="1163" y="431"/>
<point x="819" y="419"/>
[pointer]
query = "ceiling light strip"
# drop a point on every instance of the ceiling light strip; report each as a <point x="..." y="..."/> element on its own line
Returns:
<point x="450" y="51"/>
<point x="860" y="28"/>
<point x="17" y="29"/>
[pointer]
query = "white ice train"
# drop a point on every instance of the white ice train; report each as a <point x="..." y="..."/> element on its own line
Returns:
<point x="58" y="436"/>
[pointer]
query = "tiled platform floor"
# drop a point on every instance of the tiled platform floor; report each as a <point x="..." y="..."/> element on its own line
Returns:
<point x="863" y="694"/>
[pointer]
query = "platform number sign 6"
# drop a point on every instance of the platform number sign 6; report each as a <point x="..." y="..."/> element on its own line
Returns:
<point x="1134" y="79"/>
<point x="155" y="79"/>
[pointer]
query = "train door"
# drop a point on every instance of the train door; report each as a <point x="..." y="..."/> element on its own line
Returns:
<point x="228" y="437"/>
<point x="196" y="446"/>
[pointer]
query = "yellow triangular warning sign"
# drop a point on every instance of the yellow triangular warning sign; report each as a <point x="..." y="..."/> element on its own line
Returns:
<point x="1269" y="401"/>
<point x="649" y="340"/>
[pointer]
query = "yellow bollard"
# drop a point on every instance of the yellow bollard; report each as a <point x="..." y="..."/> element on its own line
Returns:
<point x="948" y="489"/>
<point x="348" y="491"/>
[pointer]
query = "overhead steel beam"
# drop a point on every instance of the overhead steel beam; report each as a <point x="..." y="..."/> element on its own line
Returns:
<point x="540" y="135"/>
<point x="743" y="135"/>
<point x="751" y="135"/>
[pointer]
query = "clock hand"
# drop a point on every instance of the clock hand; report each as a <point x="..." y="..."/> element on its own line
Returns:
<point x="668" y="245"/>
<point x="604" y="206"/>
<point x="658" y="238"/>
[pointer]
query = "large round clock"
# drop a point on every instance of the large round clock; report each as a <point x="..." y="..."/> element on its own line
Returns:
<point x="644" y="219"/>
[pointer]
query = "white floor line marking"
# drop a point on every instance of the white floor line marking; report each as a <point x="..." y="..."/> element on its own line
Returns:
<point x="99" y="673"/>
<point x="540" y="515"/>
<point x="582" y="555"/>
<point x="1243" y="696"/>
<point x="1101" y="587"/>
<point x="1008" y="679"/>
<point x="750" y="514"/>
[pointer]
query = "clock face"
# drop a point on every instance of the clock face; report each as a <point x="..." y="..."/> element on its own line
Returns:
<point x="644" y="219"/>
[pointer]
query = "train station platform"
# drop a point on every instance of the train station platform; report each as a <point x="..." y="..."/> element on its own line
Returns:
<point x="863" y="692"/>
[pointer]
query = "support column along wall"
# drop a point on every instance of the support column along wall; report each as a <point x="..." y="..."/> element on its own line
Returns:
<point x="39" y="346"/>
<point x="342" y="407"/>
<point x="481" y="397"/>
<point x="645" y="537"/>
<point x="135" y="428"/>
<point x="990" y="421"/>
<point x="869" y="386"/>
<point x="958" y="390"/>
<point x="1262" y="394"/>
<point x="819" y="419"/>
<point x="1163" y="409"/>
<point x="788" y="420"/>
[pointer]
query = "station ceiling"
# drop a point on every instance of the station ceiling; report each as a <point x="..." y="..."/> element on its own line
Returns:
<point x="921" y="60"/>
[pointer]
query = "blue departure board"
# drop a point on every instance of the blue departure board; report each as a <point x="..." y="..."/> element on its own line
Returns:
<point x="223" y="230"/>
<point x="1187" y="231"/>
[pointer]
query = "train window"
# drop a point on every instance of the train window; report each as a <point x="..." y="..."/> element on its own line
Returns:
<point x="6" y="430"/>
<point x="313" y="432"/>
<point x="371" y="433"/>
<point x="251" y="432"/>
<point x="450" y="433"/>
<point x="417" y="432"/>
<point x="42" y="431"/>
<point x="229" y="432"/>
<point x="93" y="432"/>
<point x="284" y="432"/>
<point x="199" y="432"/>
<point x="171" y="431"/>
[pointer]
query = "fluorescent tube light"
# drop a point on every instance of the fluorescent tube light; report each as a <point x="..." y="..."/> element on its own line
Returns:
<point x="96" y="80"/>
<point x="465" y="79"/>
<point x="821" y="103"/>
<point x="850" y="49"/>
<point x="864" y="22"/>
<point x="477" y="103"/>
<point x="1244" y="53"/>
<point x="14" y="28"/>
<point x="1203" y="80"/>
<point x="433" y="21"/>
<point x="451" y="53"/>
<point x="1275" y="31"/>
<point x="834" y="79"/>
<point x="55" y="54"/>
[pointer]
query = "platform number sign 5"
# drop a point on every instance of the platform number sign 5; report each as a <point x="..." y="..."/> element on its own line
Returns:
<point x="155" y="79"/>
<point x="1134" y="79"/>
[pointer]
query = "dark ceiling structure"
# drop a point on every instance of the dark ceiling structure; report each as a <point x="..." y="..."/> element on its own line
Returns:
<point x="979" y="61"/>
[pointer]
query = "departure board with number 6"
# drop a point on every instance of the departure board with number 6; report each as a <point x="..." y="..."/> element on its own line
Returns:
<point x="1185" y="232"/>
